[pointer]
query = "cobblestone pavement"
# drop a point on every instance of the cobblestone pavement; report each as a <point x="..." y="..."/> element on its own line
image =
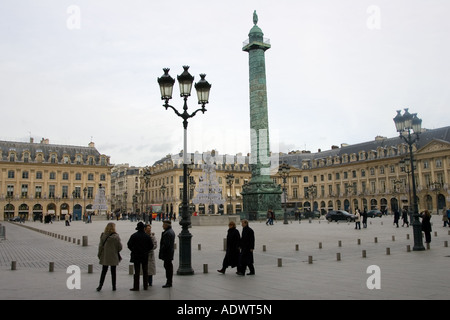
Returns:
<point x="403" y="275"/>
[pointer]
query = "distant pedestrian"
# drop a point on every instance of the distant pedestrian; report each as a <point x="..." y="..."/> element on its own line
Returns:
<point x="405" y="218"/>
<point x="426" y="225"/>
<point x="445" y="217"/>
<point x="166" y="251"/>
<point x="247" y="246"/>
<point x="357" y="219"/>
<point x="396" y="217"/>
<point x="151" y="255"/>
<point x="448" y="216"/>
<point x="364" y="215"/>
<point x="270" y="216"/>
<point x="232" y="254"/>
<point x="109" y="253"/>
<point x="140" y="245"/>
<point x="67" y="219"/>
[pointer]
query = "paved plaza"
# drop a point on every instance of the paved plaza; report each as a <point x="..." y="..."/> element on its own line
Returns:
<point x="401" y="274"/>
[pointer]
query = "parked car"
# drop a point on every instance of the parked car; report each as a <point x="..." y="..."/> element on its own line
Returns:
<point x="309" y="214"/>
<point x="15" y="219"/>
<point x="374" y="213"/>
<point x="340" y="215"/>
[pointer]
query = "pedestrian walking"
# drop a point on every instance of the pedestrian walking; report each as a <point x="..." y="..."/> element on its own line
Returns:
<point x="426" y="225"/>
<point x="151" y="254"/>
<point x="247" y="246"/>
<point x="357" y="219"/>
<point x="405" y="218"/>
<point x="364" y="216"/>
<point x="166" y="251"/>
<point x="140" y="245"/>
<point x="109" y="253"/>
<point x="232" y="254"/>
<point x="67" y="219"/>
<point x="396" y="217"/>
<point x="445" y="216"/>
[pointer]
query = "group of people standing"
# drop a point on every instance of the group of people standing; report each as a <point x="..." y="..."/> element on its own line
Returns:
<point x="239" y="252"/>
<point x="142" y="245"/>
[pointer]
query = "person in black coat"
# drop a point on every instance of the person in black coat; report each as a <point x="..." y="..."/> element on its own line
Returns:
<point x="426" y="225"/>
<point x="166" y="251"/>
<point x="232" y="254"/>
<point x="247" y="246"/>
<point x="140" y="245"/>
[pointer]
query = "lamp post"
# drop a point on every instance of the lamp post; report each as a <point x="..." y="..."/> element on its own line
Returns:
<point x="405" y="124"/>
<point x="283" y="171"/>
<point x="230" y="180"/>
<point x="202" y="87"/>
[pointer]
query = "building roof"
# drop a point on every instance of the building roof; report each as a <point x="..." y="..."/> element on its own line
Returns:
<point x="47" y="149"/>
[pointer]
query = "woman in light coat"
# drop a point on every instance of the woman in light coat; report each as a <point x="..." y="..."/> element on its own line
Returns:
<point x="151" y="255"/>
<point x="108" y="253"/>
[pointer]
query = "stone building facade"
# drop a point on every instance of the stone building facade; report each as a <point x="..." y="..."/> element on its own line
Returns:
<point x="39" y="179"/>
<point x="365" y="175"/>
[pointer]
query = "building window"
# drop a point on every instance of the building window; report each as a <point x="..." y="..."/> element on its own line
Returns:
<point x="25" y="175"/>
<point x="11" y="174"/>
<point x="90" y="193"/>
<point x="51" y="191"/>
<point x="102" y="177"/>
<point x="65" y="192"/>
<point x="38" y="175"/>
<point x="78" y="176"/>
<point x="91" y="177"/>
<point x="52" y="175"/>
<point x="38" y="192"/>
<point x="24" y="190"/>
<point x="53" y="158"/>
<point x="65" y="176"/>
<point x="10" y="191"/>
<point x="438" y="163"/>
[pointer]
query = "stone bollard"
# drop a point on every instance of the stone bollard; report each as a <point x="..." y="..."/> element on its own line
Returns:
<point x="445" y="243"/>
<point x="393" y="238"/>
<point x="13" y="265"/>
<point x="280" y="262"/>
<point x="364" y="255"/>
<point x="199" y="246"/>
<point x="359" y="241"/>
<point x="175" y="246"/>
<point x="224" y="244"/>
<point x="90" y="268"/>
<point x="51" y="266"/>
<point x="310" y="259"/>
<point x="375" y="240"/>
<point x="205" y="268"/>
<point x="388" y="251"/>
<point x="338" y="256"/>
<point x="407" y="236"/>
<point x="408" y="248"/>
<point x="85" y="241"/>
<point x="435" y="233"/>
<point x="264" y="247"/>
<point x="296" y="247"/>
<point x="320" y="245"/>
<point x="78" y="241"/>
<point x="340" y="243"/>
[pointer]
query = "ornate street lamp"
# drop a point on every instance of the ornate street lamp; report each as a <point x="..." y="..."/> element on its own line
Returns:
<point x="230" y="180"/>
<point x="405" y="124"/>
<point x="283" y="172"/>
<point x="166" y="83"/>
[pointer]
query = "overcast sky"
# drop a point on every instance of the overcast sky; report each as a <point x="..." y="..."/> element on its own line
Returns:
<point x="336" y="73"/>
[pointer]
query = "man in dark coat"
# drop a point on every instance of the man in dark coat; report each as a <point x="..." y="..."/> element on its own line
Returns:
<point x="247" y="247"/>
<point x="232" y="254"/>
<point x="140" y="245"/>
<point x="166" y="251"/>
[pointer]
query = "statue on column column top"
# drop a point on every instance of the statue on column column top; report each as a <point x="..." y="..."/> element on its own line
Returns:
<point x="255" y="17"/>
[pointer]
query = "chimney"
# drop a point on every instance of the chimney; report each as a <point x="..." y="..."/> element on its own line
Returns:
<point x="45" y="141"/>
<point x="91" y="144"/>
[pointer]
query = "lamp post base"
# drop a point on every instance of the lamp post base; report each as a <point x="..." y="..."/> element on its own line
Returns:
<point x="185" y="267"/>
<point x="417" y="232"/>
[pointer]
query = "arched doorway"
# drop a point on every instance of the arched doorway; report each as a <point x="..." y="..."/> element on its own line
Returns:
<point x="64" y="209"/>
<point x="394" y="204"/>
<point x="8" y="212"/>
<point x="441" y="202"/>
<point x="51" y="209"/>
<point x="23" y="211"/>
<point x="77" y="212"/>
<point x="37" y="212"/>
<point x="429" y="202"/>
<point x="373" y="204"/>
<point x="383" y="204"/>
